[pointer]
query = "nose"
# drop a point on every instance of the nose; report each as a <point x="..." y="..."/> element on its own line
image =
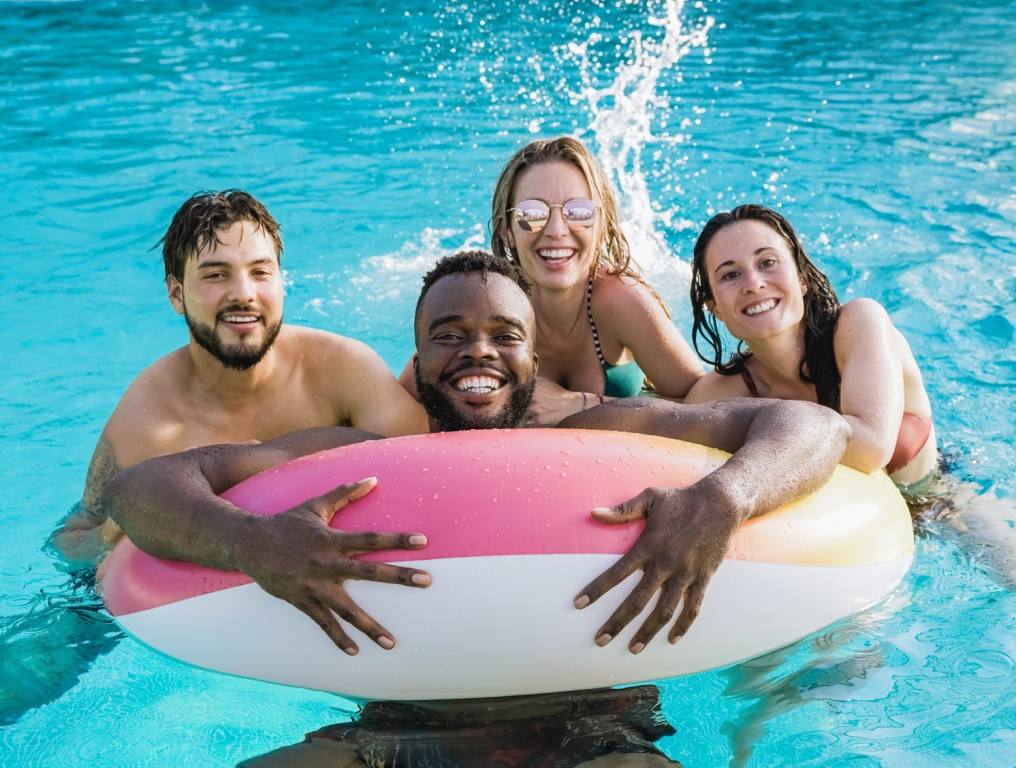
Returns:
<point x="556" y="225"/>
<point x="242" y="289"/>
<point x="753" y="281"/>
<point x="478" y="346"/>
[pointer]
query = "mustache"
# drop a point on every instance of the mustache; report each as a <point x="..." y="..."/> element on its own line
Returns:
<point x="478" y="370"/>
<point x="238" y="309"/>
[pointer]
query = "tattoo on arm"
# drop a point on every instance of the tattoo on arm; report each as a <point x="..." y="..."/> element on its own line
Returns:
<point x="101" y="470"/>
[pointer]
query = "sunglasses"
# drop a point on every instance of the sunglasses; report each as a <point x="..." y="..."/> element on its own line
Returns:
<point x="533" y="215"/>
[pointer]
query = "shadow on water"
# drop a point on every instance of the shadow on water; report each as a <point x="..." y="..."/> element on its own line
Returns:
<point x="558" y="730"/>
<point x="52" y="641"/>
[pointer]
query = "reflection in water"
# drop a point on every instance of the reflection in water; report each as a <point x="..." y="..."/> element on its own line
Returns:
<point x="558" y="730"/>
<point x="51" y="643"/>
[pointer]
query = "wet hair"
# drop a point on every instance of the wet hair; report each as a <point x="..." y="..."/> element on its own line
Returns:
<point x="196" y="224"/>
<point x="821" y="307"/>
<point x="613" y="250"/>
<point x="465" y="262"/>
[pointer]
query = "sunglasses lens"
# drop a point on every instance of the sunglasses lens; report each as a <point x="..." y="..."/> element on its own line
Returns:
<point x="532" y="215"/>
<point x="580" y="212"/>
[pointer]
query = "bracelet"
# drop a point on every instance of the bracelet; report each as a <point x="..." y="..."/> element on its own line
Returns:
<point x="583" y="401"/>
<point x="602" y="401"/>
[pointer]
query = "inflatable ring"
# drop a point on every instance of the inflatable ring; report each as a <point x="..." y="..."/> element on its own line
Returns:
<point x="511" y="542"/>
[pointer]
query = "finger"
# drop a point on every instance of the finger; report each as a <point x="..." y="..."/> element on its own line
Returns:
<point x="690" y="611"/>
<point x="664" y="611"/>
<point x="325" y="619"/>
<point x="628" y="610"/>
<point x="373" y="541"/>
<point x="342" y="604"/>
<point x="386" y="574"/>
<point x="327" y="504"/>
<point x="625" y="512"/>
<point x="607" y="580"/>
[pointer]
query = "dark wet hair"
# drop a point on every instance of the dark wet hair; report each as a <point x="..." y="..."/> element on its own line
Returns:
<point x="196" y="223"/>
<point x="465" y="262"/>
<point x="821" y="307"/>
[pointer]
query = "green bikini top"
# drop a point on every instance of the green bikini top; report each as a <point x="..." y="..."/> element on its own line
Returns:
<point x="625" y="380"/>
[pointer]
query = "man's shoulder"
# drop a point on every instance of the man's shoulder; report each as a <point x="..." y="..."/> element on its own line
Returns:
<point x="314" y="343"/>
<point x="146" y="408"/>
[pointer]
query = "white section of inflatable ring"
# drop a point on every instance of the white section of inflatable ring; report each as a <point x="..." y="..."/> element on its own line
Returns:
<point x="505" y="625"/>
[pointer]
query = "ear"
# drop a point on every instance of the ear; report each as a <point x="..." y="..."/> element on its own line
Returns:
<point x="508" y="236"/>
<point x="415" y="361"/>
<point x="174" y="288"/>
<point x="536" y="363"/>
<point x="804" y="287"/>
<point x="710" y="306"/>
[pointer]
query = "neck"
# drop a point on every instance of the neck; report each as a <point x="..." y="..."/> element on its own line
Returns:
<point x="558" y="311"/>
<point x="223" y="383"/>
<point x="780" y="355"/>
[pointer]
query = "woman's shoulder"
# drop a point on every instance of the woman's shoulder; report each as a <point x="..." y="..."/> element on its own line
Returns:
<point x="615" y="292"/>
<point x="861" y="320"/>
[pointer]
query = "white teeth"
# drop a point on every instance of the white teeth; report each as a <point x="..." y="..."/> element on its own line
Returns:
<point x="240" y="318"/>
<point x="552" y="254"/>
<point x="482" y="384"/>
<point x="758" y="309"/>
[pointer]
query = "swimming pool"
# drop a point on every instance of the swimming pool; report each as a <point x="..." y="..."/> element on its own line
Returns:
<point x="374" y="132"/>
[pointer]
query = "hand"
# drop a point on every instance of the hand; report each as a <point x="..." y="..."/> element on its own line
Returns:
<point x="297" y="557"/>
<point x="686" y="536"/>
<point x="551" y="402"/>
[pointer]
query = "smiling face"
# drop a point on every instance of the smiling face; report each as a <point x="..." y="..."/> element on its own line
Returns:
<point x="231" y="296"/>
<point x="560" y="255"/>
<point x="756" y="290"/>
<point x="475" y="365"/>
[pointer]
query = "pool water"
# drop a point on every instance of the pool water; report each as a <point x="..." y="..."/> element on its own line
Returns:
<point x="374" y="132"/>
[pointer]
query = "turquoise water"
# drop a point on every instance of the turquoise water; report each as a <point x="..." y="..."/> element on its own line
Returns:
<point x="374" y="132"/>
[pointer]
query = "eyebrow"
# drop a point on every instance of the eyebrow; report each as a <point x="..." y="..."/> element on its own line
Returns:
<point x="212" y="263"/>
<point x="756" y="253"/>
<point x="514" y="323"/>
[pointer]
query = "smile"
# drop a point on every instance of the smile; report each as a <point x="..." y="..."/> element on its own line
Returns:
<point x="478" y="384"/>
<point x="761" y="307"/>
<point x="555" y="254"/>
<point x="236" y="318"/>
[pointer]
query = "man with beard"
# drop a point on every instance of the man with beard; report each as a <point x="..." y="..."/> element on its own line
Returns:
<point x="242" y="376"/>
<point x="475" y="368"/>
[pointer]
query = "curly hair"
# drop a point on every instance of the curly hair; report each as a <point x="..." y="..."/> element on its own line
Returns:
<point x="196" y="224"/>
<point x="821" y="307"/>
<point x="613" y="250"/>
<point x="468" y="261"/>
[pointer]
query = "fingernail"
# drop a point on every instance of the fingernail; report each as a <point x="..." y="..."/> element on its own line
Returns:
<point x="386" y="642"/>
<point x="351" y="651"/>
<point x="418" y="540"/>
<point x="603" y="639"/>
<point x="582" y="601"/>
<point x="421" y="579"/>
<point x="637" y="647"/>
<point x="371" y="479"/>
<point x="602" y="510"/>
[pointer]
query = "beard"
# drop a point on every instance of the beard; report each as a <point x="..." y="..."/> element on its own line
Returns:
<point x="450" y="419"/>
<point x="238" y="357"/>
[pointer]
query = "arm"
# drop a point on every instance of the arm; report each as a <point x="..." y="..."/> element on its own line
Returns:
<point x="637" y="319"/>
<point x="782" y="450"/>
<point x="168" y="506"/>
<point x="88" y="531"/>
<point x="551" y="403"/>
<point x="871" y="387"/>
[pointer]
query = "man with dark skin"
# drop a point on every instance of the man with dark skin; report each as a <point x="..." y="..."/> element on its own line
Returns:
<point x="475" y="368"/>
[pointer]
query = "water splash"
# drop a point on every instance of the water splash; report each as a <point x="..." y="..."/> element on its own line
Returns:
<point x="622" y="114"/>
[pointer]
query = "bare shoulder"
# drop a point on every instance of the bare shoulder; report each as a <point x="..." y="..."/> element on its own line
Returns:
<point x="716" y="386"/>
<point x="861" y="315"/>
<point x="315" y="347"/>
<point x="133" y="431"/>
<point x="622" y="295"/>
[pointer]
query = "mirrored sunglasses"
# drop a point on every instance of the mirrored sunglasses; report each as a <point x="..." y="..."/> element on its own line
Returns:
<point x="533" y="215"/>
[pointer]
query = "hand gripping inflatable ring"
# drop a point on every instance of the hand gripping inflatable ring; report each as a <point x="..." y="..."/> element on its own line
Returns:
<point x="511" y="542"/>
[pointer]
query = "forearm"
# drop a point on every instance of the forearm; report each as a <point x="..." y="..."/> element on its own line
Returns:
<point x="790" y="450"/>
<point x="869" y="449"/>
<point x="167" y="507"/>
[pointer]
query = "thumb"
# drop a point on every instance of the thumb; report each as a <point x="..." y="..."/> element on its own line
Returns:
<point x="337" y="498"/>
<point x="625" y="512"/>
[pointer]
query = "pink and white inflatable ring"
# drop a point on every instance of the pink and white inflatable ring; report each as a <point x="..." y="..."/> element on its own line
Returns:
<point x="511" y="542"/>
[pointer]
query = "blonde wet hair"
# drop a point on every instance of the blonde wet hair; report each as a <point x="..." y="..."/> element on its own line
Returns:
<point x="612" y="250"/>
